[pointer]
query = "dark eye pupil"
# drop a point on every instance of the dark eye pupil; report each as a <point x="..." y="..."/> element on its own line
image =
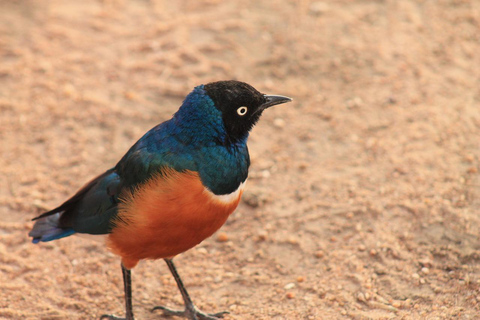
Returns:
<point x="242" y="111"/>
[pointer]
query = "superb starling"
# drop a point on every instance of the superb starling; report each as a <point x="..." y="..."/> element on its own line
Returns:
<point x="174" y="188"/>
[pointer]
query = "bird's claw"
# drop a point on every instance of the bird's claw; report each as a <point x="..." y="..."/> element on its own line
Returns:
<point x="194" y="314"/>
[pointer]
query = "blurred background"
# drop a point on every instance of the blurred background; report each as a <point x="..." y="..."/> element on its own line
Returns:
<point x="363" y="197"/>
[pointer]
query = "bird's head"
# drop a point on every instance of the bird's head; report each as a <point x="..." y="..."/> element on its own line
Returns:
<point x="241" y="105"/>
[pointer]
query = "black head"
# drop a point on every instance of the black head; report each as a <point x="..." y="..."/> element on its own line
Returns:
<point x="241" y="105"/>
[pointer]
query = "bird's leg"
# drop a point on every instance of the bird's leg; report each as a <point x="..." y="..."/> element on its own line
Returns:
<point x="127" y="287"/>
<point x="190" y="312"/>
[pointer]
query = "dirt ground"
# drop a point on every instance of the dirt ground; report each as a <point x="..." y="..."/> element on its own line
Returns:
<point x="363" y="200"/>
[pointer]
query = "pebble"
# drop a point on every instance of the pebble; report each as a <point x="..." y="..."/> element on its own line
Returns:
<point x="426" y="262"/>
<point x="262" y="235"/>
<point x="470" y="158"/>
<point x="290" y="295"/>
<point x="289" y="286"/>
<point x="130" y="95"/>
<point x="292" y="240"/>
<point x="319" y="254"/>
<point x="425" y="270"/>
<point x="472" y="170"/>
<point x="222" y="237"/>
<point x="265" y="174"/>
<point x="279" y="123"/>
<point x="354" y="103"/>
<point x="300" y="279"/>
<point x="319" y="7"/>
<point x="361" y="297"/>
<point x="202" y="250"/>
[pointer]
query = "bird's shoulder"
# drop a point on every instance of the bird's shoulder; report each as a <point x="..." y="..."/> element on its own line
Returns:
<point x="221" y="166"/>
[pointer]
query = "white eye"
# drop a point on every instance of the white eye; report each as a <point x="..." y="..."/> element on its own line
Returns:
<point x="242" y="111"/>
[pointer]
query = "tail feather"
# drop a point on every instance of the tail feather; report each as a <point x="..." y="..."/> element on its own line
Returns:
<point x="47" y="229"/>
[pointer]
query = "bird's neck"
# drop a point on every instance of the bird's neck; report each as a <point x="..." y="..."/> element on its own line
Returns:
<point x="202" y="122"/>
<point x="221" y="161"/>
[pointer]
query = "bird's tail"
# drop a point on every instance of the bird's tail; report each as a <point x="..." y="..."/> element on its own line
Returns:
<point x="47" y="229"/>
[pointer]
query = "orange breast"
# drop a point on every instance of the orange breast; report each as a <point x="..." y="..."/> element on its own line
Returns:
<point x="169" y="214"/>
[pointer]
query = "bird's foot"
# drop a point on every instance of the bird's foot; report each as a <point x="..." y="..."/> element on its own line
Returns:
<point x="113" y="317"/>
<point x="191" y="313"/>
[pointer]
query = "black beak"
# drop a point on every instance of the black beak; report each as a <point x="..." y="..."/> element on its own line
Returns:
<point x="273" y="100"/>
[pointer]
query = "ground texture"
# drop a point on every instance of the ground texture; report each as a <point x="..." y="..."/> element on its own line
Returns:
<point x="364" y="195"/>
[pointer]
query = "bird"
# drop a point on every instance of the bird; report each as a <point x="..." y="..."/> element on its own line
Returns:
<point x="174" y="187"/>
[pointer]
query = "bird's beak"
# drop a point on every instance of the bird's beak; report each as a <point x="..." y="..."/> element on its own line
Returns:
<point x="273" y="100"/>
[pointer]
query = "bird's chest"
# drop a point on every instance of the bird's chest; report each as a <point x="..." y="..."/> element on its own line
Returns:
<point x="169" y="215"/>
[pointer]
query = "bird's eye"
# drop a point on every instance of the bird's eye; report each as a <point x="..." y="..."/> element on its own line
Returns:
<point x="242" y="111"/>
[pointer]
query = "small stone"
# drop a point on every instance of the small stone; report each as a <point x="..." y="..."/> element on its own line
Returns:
<point x="265" y="174"/>
<point x="319" y="254"/>
<point x="69" y="90"/>
<point x="262" y="235"/>
<point x="472" y="170"/>
<point x="426" y="262"/>
<point x="396" y="304"/>
<point x="362" y="247"/>
<point x="361" y="297"/>
<point x="222" y="237"/>
<point x="279" y="123"/>
<point x="290" y="295"/>
<point x="202" y="250"/>
<point x="300" y="279"/>
<point x="425" y="270"/>
<point x="416" y="276"/>
<point x="303" y="165"/>
<point x="319" y="7"/>
<point x="373" y="252"/>
<point x="130" y="95"/>
<point x="470" y="158"/>
<point x="292" y="240"/>
<point x="354" y="103"/>
<point x="251" y="199"/>
<point x="289" y="286"/>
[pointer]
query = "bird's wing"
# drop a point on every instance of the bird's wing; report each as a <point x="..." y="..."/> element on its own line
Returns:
<point x="87" y="211"/>
<point x="92" y="209"/>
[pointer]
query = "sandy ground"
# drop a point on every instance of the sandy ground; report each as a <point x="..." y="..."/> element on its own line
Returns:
<point x="364" y="194"/>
